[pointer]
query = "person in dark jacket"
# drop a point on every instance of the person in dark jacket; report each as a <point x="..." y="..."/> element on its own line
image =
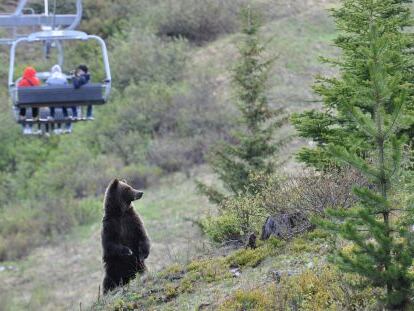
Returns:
<point x="82" y="77"/>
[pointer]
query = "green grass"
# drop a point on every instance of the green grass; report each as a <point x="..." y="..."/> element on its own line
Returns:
<point x="272" y="277"/>
<point x="175" y="197"/>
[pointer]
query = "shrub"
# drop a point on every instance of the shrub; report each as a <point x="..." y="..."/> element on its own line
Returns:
<point x="142" y="57"/>
<point x="171" y="153"/>
<point x="247" y="210"/>
<point x="23" y="227"/>
<point x="256" y="299"/>
<point x="140" y="175"/>
<point x="19" y="230"/>
<point x="223" y="228"/>
<point x="322" y="289"/>
<point x="238" y="217"/>
<point x="73" y="170"/>
<point x="300" y="246"/>
<point x="248" y="257"/>
<point x="312" y="192"/>
<point x="185" y="122"/>
<point x="30" y="224"/>
<point x="7" y="191"/>
<point x="106" y="18"/>
<point x="176" y="124"/>
<point x="199" y="21"/>
<point x="207" y="270"/>
<point x="309" y="194"/>
<point x="87" y="211"/>
<point x="317" y="234"/>
<point x="328" y="289"/>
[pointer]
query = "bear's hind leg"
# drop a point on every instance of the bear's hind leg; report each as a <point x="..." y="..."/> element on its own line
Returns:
<point x="108" y="285"/>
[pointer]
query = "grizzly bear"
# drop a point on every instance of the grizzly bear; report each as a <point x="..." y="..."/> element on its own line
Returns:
<point x="125" y="243"/>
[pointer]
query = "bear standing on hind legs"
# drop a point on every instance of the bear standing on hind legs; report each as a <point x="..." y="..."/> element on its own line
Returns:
<point x="125" y="243"/>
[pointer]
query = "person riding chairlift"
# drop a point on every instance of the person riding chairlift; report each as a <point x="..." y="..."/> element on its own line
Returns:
<point x="56" y="78"/>
<point x="82" y="77"/>
<point x="29" y="79"/>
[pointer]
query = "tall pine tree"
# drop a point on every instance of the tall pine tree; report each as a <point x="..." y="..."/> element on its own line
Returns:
<point x="367" y="110"/>
<point x="334" y="124"/>
<point x="253" y="148"/>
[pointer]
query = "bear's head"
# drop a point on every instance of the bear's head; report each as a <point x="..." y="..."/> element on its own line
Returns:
<point x="119" y="196"/>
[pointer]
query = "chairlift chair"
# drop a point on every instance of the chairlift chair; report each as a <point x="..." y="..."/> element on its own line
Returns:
<point x="64" y="95"/>
<point x="56" y="28"/>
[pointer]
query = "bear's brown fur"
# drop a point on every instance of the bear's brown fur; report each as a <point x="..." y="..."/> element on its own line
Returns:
<point x="125" y="243"/>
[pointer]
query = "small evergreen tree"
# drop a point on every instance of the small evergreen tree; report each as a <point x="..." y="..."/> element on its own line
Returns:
<point x="253" y="148"/>
<point x="334" y="124"/>
<point x="376" y="111"/>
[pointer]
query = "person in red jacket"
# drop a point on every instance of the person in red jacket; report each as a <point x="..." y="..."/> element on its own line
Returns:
<point x="29" y="79"/>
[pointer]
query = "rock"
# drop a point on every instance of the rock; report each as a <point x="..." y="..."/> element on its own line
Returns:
<point x="284" y="225"/>
<point x="276" y="275"/>
<point x="236" y="272"/>
<point x="203" y="306"/>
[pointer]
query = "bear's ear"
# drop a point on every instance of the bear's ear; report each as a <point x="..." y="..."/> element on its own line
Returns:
<point x="114" y="183"/>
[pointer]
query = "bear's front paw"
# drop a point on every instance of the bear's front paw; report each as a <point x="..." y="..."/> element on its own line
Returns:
<point x="126" y="251"/>
<point x="143" y="254"/>
<point x="143" y="250"/>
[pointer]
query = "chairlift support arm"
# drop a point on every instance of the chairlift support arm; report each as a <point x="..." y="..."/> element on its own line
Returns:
<point x="20" y="7"/>
<point x="18" y="19"/>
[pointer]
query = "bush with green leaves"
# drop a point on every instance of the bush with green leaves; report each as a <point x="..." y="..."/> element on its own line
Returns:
<point x="199" y="21"/>
<point x="28" y="224"/>
<point x="142" y="57"/>
<point x="310" y="194"/>
<point x="222" y="228"/>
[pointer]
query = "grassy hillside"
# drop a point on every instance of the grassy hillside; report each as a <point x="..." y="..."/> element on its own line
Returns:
<point x="275" y="276"/>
